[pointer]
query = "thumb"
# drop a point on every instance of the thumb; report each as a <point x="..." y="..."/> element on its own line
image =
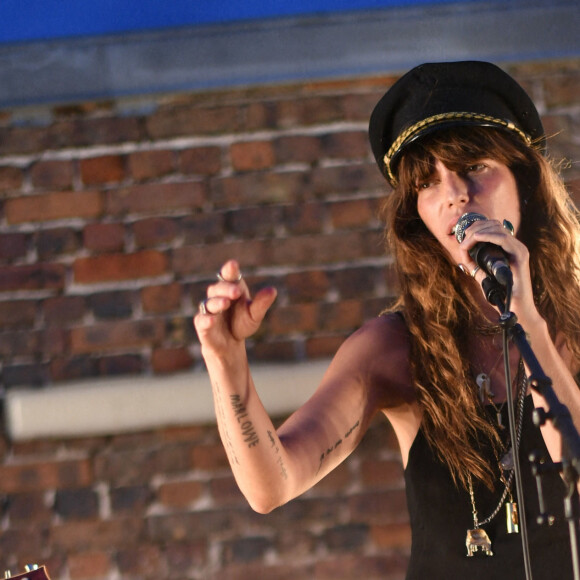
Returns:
<point x="261" y="303"/>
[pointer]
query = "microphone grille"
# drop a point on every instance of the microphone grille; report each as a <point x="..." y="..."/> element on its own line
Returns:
<point x="464" y="222"/>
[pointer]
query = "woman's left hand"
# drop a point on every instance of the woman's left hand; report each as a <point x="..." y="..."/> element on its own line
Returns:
<point x="495" y="232"/>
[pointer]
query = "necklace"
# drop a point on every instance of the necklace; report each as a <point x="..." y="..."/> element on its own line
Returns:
<point x="477" y="538"/>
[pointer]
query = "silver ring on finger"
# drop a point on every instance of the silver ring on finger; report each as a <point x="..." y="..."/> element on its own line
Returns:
<point x="203" y="307"/>
<point x="222" y="279"/>
<point x="475" y="271"/>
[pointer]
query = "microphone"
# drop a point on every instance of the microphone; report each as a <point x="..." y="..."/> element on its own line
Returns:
<point x="489" y="257"/>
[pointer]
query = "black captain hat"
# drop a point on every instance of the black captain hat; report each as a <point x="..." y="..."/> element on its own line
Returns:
<point x="438" y="95"/>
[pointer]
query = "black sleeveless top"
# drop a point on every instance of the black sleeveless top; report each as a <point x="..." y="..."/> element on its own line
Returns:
<point x="440" y="516"/>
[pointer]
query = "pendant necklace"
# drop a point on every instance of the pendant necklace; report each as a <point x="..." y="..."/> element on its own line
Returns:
<point x="477" y="538"/>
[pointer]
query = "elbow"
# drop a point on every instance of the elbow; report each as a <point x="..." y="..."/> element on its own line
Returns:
<point x="263" y="505"/>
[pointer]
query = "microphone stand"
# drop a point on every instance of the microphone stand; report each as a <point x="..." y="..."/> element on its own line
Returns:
<point x="561" y="419"/>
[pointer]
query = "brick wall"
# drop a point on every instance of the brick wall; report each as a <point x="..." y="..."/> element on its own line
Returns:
<point x="114" y="216"/>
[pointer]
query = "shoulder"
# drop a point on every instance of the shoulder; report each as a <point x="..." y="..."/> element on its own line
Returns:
<point x="378" y="355"/>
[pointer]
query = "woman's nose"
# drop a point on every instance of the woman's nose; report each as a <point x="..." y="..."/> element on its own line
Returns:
<point x="456" y="187"/>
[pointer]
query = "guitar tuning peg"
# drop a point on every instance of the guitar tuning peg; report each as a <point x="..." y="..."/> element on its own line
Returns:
<point x="7" y="574"/>
<point x="31" y="567"/>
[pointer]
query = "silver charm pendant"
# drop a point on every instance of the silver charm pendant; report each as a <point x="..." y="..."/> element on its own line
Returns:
<point x="512" y="518"/>
<point x="507" y="461"/>
<point x="478" y="540"/>
<point x="484" y="384"/>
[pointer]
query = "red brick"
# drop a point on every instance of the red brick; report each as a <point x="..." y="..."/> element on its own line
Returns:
<point x="203" y="228"/>
<point x="89" y="565"/>
<point x="56" y="242"/>
<point x="252" y="155"/>
<point x="145" y="165"/>
<point x="18" y="343"/>
<point x="155" y="231"/>
<point x="84" y="131"/>
<point x="11" y="178"/>
<point x="180" y="494"/>
<point x="382" y="473"/>
<point x="342" y="179"/>
<point x="561" y="90"/>
<point x="104" y="169"/>
<point x="305" y="218"/>
<point x="346" y="145"/>
<point x="52" y="174"/>
<point x="123" y="364"/>
<point x="273" y="350"/>
<point x="17" y="313"/>
<point x="143" y="561"/>
<point x="175" y="121"/>
<point x="209" y="457"/>
<point x="391" y="536"/>
<point x="170" y="360"/>
<point x="63" y="310"/>
<point x="162" y="298"/>
<point x="69" y="369"/>
<point x="323" y="346"/>
<point x="207" y="259"/>
<point x="297" y="149"/>
<point x="225" y="491"/>
<point x="76" y="535"/>
<point x="351" y="214"/>
<point x="200" y="161"/>
<point x="260" y="221"/>
<point x="14" y="140"/>
<point x="295" y="318"/>
<point x="116" y="335"/>
<point x="33" y="476"/>
<point x="132" y="466"/>
<point x="101" y="237"/>
<point x="156" y="198"/>
<point x="257" y="188"/>
<point x="13" y="246"/>
<point x="22" y="507"/>
<point x="340" y="316"/>
<point x="53" y="206"/>
<point x="33" y="277"/>
<point x="330" y="248"/>
<point x="312" y="285"/>
<point x="116" y="267"/>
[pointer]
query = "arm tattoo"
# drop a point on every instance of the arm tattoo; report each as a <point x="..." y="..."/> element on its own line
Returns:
<point x="279" y="458"/>
<point x="248" y="431"/>
<point x="338" y="443"/>
<point x="227" y="440"/>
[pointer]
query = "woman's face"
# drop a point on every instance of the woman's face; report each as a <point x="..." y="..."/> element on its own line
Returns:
<point x="486" y="187"/>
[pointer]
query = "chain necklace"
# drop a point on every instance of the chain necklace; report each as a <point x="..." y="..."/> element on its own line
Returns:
<point x="477" y="538"/>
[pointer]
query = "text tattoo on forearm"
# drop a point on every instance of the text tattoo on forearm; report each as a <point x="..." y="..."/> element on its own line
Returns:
<point x="337" y="444"/>
<point x="229" y="447"/>
<point x="248" y="432"/>
<point x="279" y="460"/>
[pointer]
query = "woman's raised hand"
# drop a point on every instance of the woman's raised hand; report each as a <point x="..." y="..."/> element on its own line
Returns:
<point x="229" y="315"/>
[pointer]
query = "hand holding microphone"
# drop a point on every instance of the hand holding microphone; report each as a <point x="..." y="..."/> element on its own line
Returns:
<point x="489" y="257"/>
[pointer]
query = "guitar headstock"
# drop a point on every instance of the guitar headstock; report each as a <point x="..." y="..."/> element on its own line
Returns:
<point x="33" y="572"/>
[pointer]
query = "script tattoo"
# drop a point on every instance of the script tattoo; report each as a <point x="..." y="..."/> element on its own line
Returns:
<point x="338" y="443"/>
<point x="248" y="432"/>
<point x="279" y="459"/>
<point x="227" y="439"/>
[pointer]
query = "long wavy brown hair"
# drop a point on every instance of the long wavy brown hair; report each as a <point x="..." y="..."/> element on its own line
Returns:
<point x="438" y="308"/>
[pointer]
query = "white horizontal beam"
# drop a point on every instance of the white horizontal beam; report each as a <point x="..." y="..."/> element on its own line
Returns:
<point x="145" y="403"/>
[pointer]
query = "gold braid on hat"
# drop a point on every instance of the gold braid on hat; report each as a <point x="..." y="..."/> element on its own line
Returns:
<point x="418" y="127"/>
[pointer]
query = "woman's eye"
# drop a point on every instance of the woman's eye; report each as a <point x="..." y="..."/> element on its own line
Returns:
<point x="475" y="167"/>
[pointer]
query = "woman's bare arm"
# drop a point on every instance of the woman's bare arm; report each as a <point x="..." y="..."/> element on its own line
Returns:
<point x="273" y="466"/>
